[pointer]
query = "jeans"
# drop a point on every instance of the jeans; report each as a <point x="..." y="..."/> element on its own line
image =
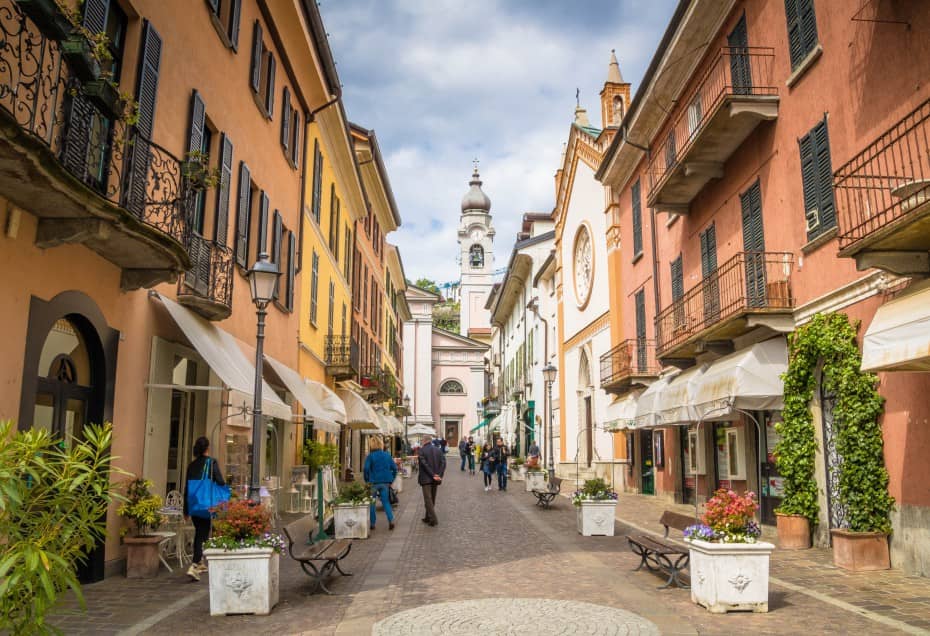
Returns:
<point x="201" y="534"/>
<point x="502" y="477"/>
<point x="471" y="464"/>
<point x="381" y="490"/>
<point x="487" y="477"/>
<point x="464" y="459"/>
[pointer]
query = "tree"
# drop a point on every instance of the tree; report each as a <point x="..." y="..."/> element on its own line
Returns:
<point x="428" y="285"/>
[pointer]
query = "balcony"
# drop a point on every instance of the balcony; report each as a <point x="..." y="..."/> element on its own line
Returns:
<point x="631" y="362"/>
<point x="749" y="291"/>
<point x="883" y="199"/>
<point x="89" y="178"/>
<point x="341" y="357"/>
<point x="735" y="95"/>
<point x="207" y="286"/>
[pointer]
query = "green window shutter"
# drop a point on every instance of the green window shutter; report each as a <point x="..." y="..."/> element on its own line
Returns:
<point x="291" y="270"/>
<point x="751" y="204"/>
<point x="242" y="215"/>
<point x="806" y="146"/>
<point x="338" y="228"/>
<point x="256" y="69"/>
<point x="277" y="245"/>
<point x="95" y="15"/>
<point x="286" y="119"/>
<point x="824" y="176"/>
<point x="637" y="220"/>
<point x="802" y="29"/>
<point x="332" y="307"/>
<point x="314" y="283"/>
<point x="678" y="284"/>
<point x="198" y="121"/>
<point x="317" y="179"/>
<point x="708" y="251"/>
<point x="220" y="228"/>
<point x="640" y="302"/>
<point x="269" y="88"/>
<point x="235" y="10"/>
<point x="332" y="216"/>
<point x="262" y="245"/>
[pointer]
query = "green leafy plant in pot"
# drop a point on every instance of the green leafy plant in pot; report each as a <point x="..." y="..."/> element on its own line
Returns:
<point x="142" y="509"/>
<point x="355" y="493"/>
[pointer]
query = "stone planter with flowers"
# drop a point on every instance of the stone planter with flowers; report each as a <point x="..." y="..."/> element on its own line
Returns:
<point x="729" y="565"/>
<point x="350" y="511"/>
<point x="242" y="556"/>
<point x="596" y="505"/>
<point x="535" y="479"/>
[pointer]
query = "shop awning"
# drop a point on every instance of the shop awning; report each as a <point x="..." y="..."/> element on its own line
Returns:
<point x="389" y="424"/>
<point x="421" y="429"/>
<point x="396" y="426"/>
<point x="222" y="353"/>
<point x="649" y="403"/>
<point x="748" y="380"/>
<point x="359" y="414"/>
<point x="621" y="413"/>
<point x="677" y="404"/>
<point x="322" y="405"/>
<point x="480" y="426"/>
<point x="898" y="339"/>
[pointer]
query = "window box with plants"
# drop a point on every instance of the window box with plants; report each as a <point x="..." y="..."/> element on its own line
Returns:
<point x="350" y="511"/>
<point x="78" y="51"/>
<point x="729" y="565"/>
<point x="242" y="555"/>
<point x="49" y="16"/>
<point x="596" y="505"/>
<point x="536" y="477"/>
<point x="143" y="510"/>
<point x="105" y="95"/>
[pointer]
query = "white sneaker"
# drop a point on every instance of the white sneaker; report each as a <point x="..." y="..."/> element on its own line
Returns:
<point x="193" y="572"/>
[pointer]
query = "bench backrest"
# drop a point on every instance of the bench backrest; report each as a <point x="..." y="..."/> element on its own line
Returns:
<point x="298" y="532"/>
<point x="676" y="520"/>
<point x="555" y="484"/>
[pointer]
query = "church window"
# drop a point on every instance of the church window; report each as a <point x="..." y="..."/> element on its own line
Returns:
<point x="476" y="256"/>
<point x="452" y="387"/>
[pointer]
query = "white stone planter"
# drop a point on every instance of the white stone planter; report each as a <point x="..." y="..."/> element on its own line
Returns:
<point x="398" y="484"/>
<point x="242" y="581"/>
<point x="351" y="521"/>
<point x="518" y="473"/>
<point x="596" y="518"/>
<point x="730" y="576"/>
<point x="535" y="480"/>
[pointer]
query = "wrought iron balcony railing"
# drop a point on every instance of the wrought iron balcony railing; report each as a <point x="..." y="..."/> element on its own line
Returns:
<point x="888" y="180"/>
<point x="734" y="72"/>
<point x="633" y="357"/>
<point x="41" y="95"/>
<point x="341" y="353"/>
<point x="209" y="279"/>
<point x="750" y="282"/>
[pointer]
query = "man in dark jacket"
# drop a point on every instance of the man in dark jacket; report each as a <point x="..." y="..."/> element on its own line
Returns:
<point x="432" y="467"/>
<point x="463" y="452"/>
<point x="499" y="455"/>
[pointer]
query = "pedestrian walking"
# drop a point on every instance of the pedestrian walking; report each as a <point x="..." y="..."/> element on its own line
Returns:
<point x="380" y="471"/>
<point x="486" y="468"/>
<point x="443" y="444"/>
<point x="471" y="455"/>
<point x="463" y="452"/>
<point x="202" y="525"/>
<point x="432" y="468"/>
<point x="500" y="454"/>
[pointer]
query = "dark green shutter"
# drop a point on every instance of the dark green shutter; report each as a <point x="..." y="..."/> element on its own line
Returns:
<point x="808" y="25"/>
<point x="261" y="246"/>
<point x="269" y="94"/>
<point x="95" y="15"/>
<point x="670" y="149"/>
<point x="338" y="228"/>
<point x="641" y="345"/>
<point x="214" y="5"/>
<point x="220" y="229"/>
<point x="754" y="244"/>
<point x="235" y="10"/>
<point x="710" y="285"/>
<point x="332" y="215"/>
<point x="637" y="220"/>
<point x="295" y="133"/>
<point x="291" y="270"/>
<point x="286" y="118"/>
<point x="678" y="284"/>
<point x="242" y="215"/>
<point x="135" y="193"/>
<point x="802" y="29"/>
<point x="314" y="284"/>
<point x="708" y="251"/>
<point x="740" y="73"/>
<point x="824" y="177"/>
<point x="198" y="121"/>
<point x="256" y="79"/>
<point x="277" y="245"/>
<point x="317" y="179"/>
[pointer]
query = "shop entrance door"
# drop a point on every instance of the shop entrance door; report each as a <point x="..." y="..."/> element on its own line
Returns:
<point x="451" y="432"/>
<point x="647" y="468"/>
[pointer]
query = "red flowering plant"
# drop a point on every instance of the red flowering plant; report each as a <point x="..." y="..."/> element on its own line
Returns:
<point x="728" y="518"/>
<point x="241" y="523"/>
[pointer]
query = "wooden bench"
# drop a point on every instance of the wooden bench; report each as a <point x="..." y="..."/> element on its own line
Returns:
<point x="662" y="555"/>
<point x="544" y="497"/>
<point x="318" y="559"/>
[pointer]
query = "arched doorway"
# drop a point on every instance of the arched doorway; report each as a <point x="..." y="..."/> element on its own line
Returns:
<point x="585" y="410"/>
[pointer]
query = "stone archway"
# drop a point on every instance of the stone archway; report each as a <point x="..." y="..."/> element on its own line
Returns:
<point x="585" y="450"/>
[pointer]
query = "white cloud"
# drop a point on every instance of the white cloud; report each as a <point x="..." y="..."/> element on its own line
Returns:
<point x="443" y="81"/>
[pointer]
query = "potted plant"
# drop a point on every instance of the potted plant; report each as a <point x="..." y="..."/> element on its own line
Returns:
<point x="79" y="53"/>
<point x="729" y="565"/>
<point x="105" y="95"/>
<point x="350" y="511"/>
<point x="518" y="469"/>
<point x="143" y="510"/>
<point x="597" y="504"/>
<point x="242" y="556"/>
<point x="49" y="16"/>
<point x="535" y="478"/>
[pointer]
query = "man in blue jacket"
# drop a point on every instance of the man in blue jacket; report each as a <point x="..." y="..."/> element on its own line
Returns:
<point x="380" y="471"/>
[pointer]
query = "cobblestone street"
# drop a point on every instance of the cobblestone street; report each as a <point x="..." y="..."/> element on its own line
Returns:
<point x="500" y="546"/>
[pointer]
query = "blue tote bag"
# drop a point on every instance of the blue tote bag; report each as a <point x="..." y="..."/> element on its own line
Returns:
<point x="204" y="493"/>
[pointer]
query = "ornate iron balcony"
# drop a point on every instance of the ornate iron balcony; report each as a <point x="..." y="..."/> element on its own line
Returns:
<point x="630" y="359"/>
<point x="207" y="286"/>
<point x="341" y="353"/>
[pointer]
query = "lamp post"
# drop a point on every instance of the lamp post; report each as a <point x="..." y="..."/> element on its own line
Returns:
<point x="518" y="424"/>
<point x="549" y="373"/>
<point x="263" y="279"/>
<point x="406" y="418"/>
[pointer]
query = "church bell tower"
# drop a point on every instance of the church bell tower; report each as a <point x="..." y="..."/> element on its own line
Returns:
<point x="476" y="252"/>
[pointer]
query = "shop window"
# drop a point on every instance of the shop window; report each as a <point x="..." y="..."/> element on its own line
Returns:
<point x="736" y="455"/>
<point x="695" y="454"/>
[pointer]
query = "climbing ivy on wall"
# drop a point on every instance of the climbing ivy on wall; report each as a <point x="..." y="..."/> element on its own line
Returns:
<point x="828" y="342"/>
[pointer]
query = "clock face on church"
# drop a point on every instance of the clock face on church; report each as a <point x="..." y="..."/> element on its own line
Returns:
<point x="583" y="265"/>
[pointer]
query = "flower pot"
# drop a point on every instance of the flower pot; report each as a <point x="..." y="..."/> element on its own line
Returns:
<point x="535" y="480"/>
<point x="860" y="551"/>
<point x="351" y="521"/>
<point x="76" y="51"/>
<point x="105" y="97"/>
<point x="48" y="16"/>
<point x="243" y="581"/>
<point x="596" y="518"/>
<point x="398" y="484"/>
<point x="142" y="557"/>
<point x="794" y="532"/>
<point x="729" y="577"/>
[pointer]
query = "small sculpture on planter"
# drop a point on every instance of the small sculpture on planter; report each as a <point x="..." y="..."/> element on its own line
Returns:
<point x="597" y="504"/>
<point x="143" y="510"/>
<point x="729" y="565"/>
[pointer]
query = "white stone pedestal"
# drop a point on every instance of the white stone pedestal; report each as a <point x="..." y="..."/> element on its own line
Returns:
<point x="596" y="518"/>
<point x="351" y="521"/>
<point x="535" y="480"/>
<point x="242" y="581"/>
<point x="730" y="576"/>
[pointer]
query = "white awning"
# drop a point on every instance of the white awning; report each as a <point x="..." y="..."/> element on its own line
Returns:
<point x="421" y="429"/>
<point x="621" y="413"/>
<point x="222" y="353"/>
<point x="648" y="404"/>
<point x="748" y="380"/>
<point x="396" y="426"/>
<point x="677" y="404"/>
<point x="359" y="414"/>
<point x="384" y="424"/>
<point x="898" y="339"/>
<point x="322" y="405"/>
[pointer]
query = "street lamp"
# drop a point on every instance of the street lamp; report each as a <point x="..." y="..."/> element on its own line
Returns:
<point x="518" y="425"/>
<point x="549" y="372"/>
<point x="406" y="418"/>
<point x="263" y="279"/>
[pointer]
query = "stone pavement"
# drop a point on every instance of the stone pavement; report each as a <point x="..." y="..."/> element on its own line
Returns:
<point x="481" y="567"/>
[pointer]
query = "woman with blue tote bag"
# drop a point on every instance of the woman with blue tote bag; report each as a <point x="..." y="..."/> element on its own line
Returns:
<point x="204" y="481"/>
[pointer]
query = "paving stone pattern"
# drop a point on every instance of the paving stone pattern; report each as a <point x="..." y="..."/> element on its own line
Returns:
<point x="494" y="547"/>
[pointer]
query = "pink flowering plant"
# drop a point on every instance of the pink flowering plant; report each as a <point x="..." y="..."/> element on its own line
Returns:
<point x="729" y="518"/>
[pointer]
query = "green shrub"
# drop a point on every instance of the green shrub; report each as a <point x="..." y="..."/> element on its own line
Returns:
<point x="141" y="506"/>
<point x="355" y="492"/>
<point x="317" y="454"/>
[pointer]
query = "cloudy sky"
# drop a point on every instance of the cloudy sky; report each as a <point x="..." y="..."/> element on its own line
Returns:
<point x="444" y="81"/>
